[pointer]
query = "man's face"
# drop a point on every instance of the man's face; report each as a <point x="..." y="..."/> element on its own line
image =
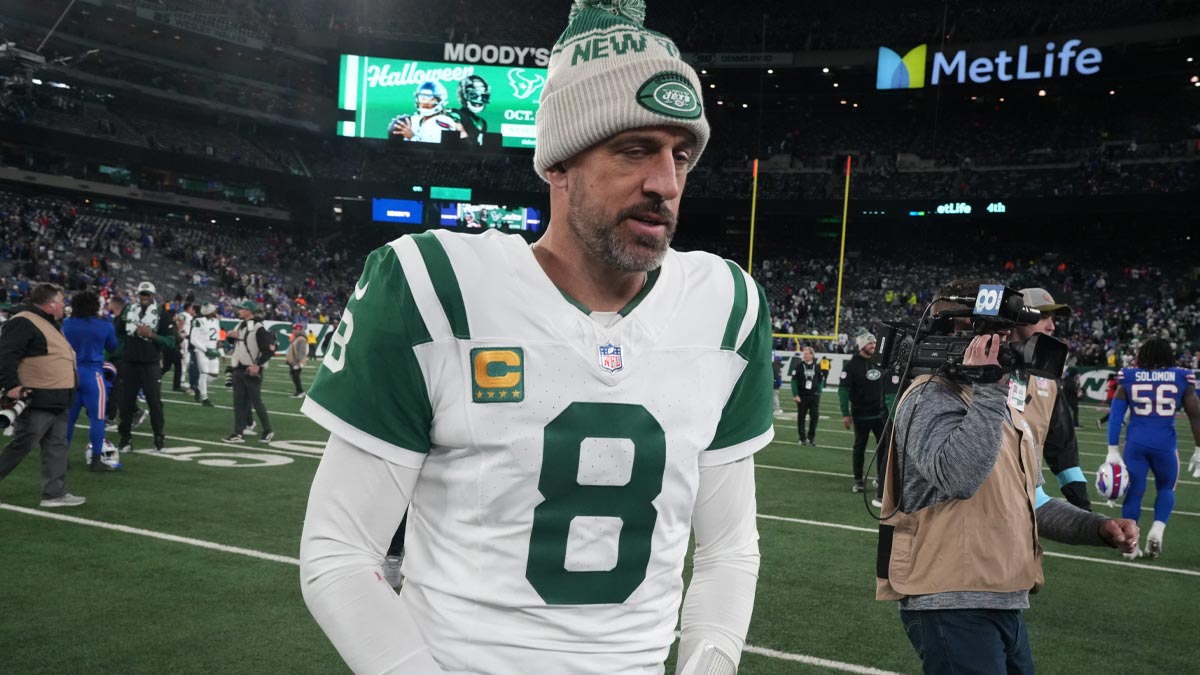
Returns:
<point x="807" y="355"/>
<point x="116" y="307"/>
<point x="1023" y="333"/>
<point x="869" y="350"/>
<point x="57" y="306"/>
<point x="623" y="195"/>
<point x="244" y="313"/>
<point x="145" y="299"/>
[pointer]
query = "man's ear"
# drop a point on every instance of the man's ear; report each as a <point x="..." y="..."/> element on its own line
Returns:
<point x="557" y="175"/>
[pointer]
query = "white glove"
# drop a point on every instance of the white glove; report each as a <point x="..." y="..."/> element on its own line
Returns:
<point x="1194" y="465"/>
<point x="1114" y="455"/>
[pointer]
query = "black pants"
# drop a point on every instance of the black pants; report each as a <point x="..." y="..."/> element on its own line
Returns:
<point x="173" y="360"/>
<point x="862" y="431"/>
<point x="144" y="377"/>
<point x="247" y="393"/>
<point x="808" y="406"/>
<point x="47" y="428"/>
<point x="113" y="406"/>
<point x="396" y="548"/>
<point x="1073" y="404"/>
<point x="295" y="373"/>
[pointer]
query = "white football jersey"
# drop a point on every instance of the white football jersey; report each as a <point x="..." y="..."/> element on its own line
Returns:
<point x="206" y="333"/>
<point x="559" y="456"/>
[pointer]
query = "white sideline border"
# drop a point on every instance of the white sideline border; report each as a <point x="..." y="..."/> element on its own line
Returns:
<point x="270" y="557"/>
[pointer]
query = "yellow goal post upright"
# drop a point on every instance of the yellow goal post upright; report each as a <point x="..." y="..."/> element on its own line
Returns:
<point x="795" y="338"/>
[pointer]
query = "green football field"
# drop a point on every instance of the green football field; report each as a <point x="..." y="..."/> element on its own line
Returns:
<point x="185" y="562"/>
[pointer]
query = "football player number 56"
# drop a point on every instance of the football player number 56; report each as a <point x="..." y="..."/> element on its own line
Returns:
<point x="1146" y="398"/>
<point x="565" y="498"/>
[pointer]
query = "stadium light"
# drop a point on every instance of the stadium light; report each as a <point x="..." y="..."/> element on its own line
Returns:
<point x="826" y="70"/>
<point x="770" y="71"/>
<point x="1002" y="99"/>
<point x="855" y="105"/>
<point x="1041" y="92"/>
<point x="843" y="101"/>
<point x="1190" y="59"/>
<point x="835" y="85"/>
<point x="1112" y="92"/>
<point x="703" y="72"/>
<point x="745" y="105"/>
<point x="720" y="102"/>
<point x="1196" y="78"/>
<point x="712" y="86"/>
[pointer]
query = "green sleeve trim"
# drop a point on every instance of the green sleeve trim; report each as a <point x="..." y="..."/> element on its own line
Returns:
<point x="795" y="386"/>
<point x="738" y="313"/>
<point x="749" y="411"/>
<point x="844" y="400"/>
<point x="445" y="284"/>
<point x="370" y="379"/>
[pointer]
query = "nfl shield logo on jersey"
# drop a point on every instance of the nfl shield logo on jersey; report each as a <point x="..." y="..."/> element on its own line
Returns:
<point x="610" y="357"/>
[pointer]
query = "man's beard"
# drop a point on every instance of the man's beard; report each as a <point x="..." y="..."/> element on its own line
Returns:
<point x="607" y="241"/>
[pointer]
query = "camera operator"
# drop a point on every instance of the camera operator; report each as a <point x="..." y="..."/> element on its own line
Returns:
<point x="963" y="510"/>
<point x="1061" y="449"/>
<point x="254" y="348"/>
<point x="38" y="364"/>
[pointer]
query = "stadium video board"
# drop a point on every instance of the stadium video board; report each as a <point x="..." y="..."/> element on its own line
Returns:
<point x="437" y="102"/>
<point x="479" y="216"/>
<point x="407" y="211"/>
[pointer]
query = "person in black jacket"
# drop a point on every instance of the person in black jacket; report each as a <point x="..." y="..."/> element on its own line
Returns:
<point x="808" y="380"/>
<point x="860" y="395"/>
<point x="253" y="349"/>
<point x="37" y="365"/>
<point x="148" y="331"/>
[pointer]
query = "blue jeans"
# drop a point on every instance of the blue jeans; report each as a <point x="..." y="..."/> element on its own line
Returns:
<point x="970" y="641"/>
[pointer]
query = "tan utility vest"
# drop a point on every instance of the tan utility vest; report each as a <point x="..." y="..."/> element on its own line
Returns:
<point x="988" y="543"/>
<point x="55" y="369"/>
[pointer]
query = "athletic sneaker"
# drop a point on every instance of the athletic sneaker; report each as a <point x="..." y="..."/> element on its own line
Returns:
<point x="196" y="395"/>
<point x="159" y="442"/>
<point x="112" y="426"/>
<point x="125" y="444"/>
<point x="298" y="394"/>
<point x="141" y="417"/>
<point x="268" y="436"/>
<point x="234" y="438"/>
<point x="858" y="486"/>
<point x="67" y="499"/>
<point x="249" y="430"/>
<point x="877" y="503"/>
<point x="1154" y="548"/>
<point x="391" y="570"/>
<point x="207" y="403"/>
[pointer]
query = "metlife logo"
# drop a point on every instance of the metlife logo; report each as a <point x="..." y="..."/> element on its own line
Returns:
<point x="908" y="72"/>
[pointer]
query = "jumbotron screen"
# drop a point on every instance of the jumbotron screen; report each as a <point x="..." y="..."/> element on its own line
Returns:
<point x="432" y="102"/>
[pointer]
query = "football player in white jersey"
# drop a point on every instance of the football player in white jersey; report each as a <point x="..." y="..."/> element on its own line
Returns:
<point x="206" y="340"/>
<point x="555" y="437"/>
<point x="430" y="120"/>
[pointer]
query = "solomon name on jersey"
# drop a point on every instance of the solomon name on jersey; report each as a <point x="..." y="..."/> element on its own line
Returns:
<point x="1154" y="396"/>
<point x="559" y="451"/>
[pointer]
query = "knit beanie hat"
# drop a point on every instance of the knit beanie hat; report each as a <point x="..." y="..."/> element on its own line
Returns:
<point x="609" y="74"/>
<point x="863" y="338"/>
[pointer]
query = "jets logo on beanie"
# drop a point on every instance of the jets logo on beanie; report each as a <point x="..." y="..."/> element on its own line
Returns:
<point x="608" y="74"/>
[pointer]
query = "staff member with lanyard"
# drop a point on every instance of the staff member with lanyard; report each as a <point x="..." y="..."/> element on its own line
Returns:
<point x="253" y="349"/>
<point x="808" y="380"/>
<point x="148" y="330"/>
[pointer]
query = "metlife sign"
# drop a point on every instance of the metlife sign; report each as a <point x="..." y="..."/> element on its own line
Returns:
<point x="1025" y="63"/>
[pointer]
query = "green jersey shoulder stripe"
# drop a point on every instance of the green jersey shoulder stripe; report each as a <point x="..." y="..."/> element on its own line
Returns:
<point x="737" y="314"/>
<point x="445" y="284"/>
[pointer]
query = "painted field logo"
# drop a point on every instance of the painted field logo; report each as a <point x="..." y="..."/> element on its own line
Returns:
<point x="498" y="375"/>
<point x="670" y="94"/>
<point x="895" y="72"/>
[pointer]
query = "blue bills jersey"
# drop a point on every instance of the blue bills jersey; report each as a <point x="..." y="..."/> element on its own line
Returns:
<point x="1154" y="396"/>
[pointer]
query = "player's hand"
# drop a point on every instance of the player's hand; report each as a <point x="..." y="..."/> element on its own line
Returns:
<point x="797" y="398"/>
<point x="1194" y="465"/>
<point x="14" y="393"/>
<point x="1120" y="533"/>
<point x="231" y="335"/>
<point x="401" y="127"/>
<point x="847" y="421"/>
<point x="1114" y="456"/>
<point x="984" y="350"/>
<point x="143" y="331"/>
<point x="253" y="370"/>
